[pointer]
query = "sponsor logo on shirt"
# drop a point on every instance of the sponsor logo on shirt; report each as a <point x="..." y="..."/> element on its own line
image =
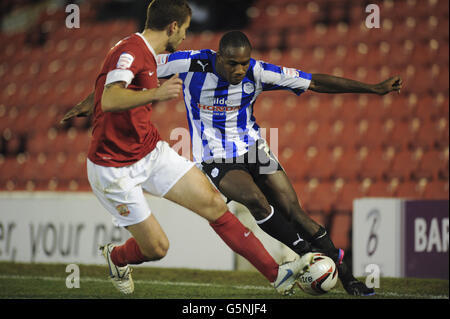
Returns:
<point x="123" y="210"/>
<point x="218" y="108"/>
<point x="291" y="72"/>
<point x="161" y="59"/>
<point x="125" y="61"/>
<point x="249" y="88"/>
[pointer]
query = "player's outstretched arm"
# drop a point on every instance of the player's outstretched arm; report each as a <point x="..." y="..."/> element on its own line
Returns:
<point x="116" y="97"/>
<point x="324" y="83"/>
<point x="82" y="109"/>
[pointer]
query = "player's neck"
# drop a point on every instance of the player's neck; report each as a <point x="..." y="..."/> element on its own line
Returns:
<point x="157" y="39"/>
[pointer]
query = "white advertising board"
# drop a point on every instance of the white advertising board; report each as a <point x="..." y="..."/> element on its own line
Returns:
<point x="377" y="236"/>
<point x="69" y="227"/>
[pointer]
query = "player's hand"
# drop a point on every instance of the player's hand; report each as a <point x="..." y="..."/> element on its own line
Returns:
<point x="82" y="109"/>
<point x="392" y="84"/>
<point x="170" y="89"/>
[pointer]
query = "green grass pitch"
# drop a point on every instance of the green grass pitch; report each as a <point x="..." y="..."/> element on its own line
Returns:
<point x="48" y="281"/>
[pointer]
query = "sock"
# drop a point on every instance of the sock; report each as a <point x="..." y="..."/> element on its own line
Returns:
<point x="243" y="242"/>
<point x="322" y="241"/>
<point x="128" y="253"/>
<point x="279" y="228"/>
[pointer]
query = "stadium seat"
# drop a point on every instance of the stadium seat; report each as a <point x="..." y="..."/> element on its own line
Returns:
<point x="403" y="107"/>
<point x="10" y="170"/>
<point x="437" y="190"/>
<point x="404" y="165"/>
<point x="31" y="171"/>
<point x="370" y="133"/>
<point x="340" y="231"/>
<point x="433" y="165"/>
<point x="330" y="108"/>
<point x="403" y="134"/>
<point x="350" y="164"/>
<point x="349" y="192"/>
<point x="432" y="134"/>
<point x="323" y="166"/>
<point x="403" y="53"/>
<point x="377" y="163"/>
<point x="343" y="134"/>
<point x="72" y="171"/>
<point x="357" y="55"/>
<point x="428" y="108"/>
<point x="412" y="190"/>
<point x="317" y="197"/>
<point x="357" y="33"/>
<point x="383" y="189"/>
<point x="297" y="165"/>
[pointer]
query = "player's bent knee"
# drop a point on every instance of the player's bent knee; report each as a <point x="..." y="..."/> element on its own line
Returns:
<point x="257" y="205"/>
<point x="215" y="207"/>
<point x="156" y="251"/>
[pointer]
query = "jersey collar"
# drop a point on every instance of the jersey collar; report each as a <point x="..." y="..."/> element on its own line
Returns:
<point x="147" y="44"/>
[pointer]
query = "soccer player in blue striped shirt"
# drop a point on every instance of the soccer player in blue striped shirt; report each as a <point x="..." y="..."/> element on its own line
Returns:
<point x="220" y="89"/>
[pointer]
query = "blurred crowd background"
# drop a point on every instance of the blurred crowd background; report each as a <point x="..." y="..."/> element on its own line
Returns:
<point x="335" y="148"/>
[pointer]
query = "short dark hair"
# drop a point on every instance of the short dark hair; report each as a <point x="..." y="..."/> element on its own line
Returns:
<point x="233" y="39"/>
<point x="161" y="13"/>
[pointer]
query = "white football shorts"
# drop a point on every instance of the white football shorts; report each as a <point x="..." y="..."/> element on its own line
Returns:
<point x="120" y="189"/>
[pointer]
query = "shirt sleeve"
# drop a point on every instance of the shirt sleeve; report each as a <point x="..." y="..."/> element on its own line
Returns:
<point x="273" y="77"/>
<point x="125" y="64"/>
<point x="178" y="62"/>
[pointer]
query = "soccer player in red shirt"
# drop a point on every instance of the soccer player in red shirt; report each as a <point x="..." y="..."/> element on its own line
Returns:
<point x="127" y="156"/>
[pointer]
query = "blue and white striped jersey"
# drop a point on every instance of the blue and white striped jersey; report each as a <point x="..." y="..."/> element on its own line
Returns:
<point x="220" y="115"/>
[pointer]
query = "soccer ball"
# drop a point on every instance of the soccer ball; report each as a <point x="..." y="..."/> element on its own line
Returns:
<point x="321" y="276"/>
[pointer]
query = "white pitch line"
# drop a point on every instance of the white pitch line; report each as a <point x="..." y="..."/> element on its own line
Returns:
<point x="195" y="284"/>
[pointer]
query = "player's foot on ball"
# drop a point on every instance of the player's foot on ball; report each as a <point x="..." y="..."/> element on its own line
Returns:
<point x="120" y="276"/>
<point x="289" y="272"/>
<point x="357" y="288"/>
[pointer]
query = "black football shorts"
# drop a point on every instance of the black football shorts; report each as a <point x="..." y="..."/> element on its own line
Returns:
<point x="258" y="161"/>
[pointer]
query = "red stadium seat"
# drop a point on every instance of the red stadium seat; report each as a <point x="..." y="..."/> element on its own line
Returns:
<point x="377" y="164"/>
<point x="370" y="133"/>
<point x="433" y="134"/>
<point x="330" y="108"/>
<point x="317" y="197"/>
<point x="412" y="190"/>
<point x="437" y="190"/>
<point x="343" y="134"/>
<point x="402" y="53"/>
<point x="404" y="134"/>
<point x="404" y="165"/>
<point x="431" y="107"/>
<point x="350" y="191"/>
<point x="10" y="170"/>
<point x="403" y="107"/>
<point x="350" y="164"/>
<point x="323" y="167"/>
<point x="340" y="232"/>
<point x="433" y="165"/>
<point x="357" y="55"/>
<point x="381" y="189"/>
<point x="297" y="165"/>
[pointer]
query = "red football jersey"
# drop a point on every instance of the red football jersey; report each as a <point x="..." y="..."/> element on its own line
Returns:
<point x="123" y="138"/>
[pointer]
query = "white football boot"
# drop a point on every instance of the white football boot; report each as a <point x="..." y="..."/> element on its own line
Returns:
<point x="120" y="276"/>
<point x="288" y="274"/>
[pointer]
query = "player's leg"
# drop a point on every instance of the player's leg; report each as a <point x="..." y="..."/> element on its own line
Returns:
<point x="283" y="197"/>
<point x="178" y="180"/>
<point x="239" y="185"/>
<point x="196" y="193"/>
<point x="120" y="193"/>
